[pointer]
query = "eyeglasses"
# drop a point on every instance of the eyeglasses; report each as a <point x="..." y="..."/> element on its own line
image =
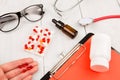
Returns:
<point x="58" y="11"/>
<point x="10" y="21"/>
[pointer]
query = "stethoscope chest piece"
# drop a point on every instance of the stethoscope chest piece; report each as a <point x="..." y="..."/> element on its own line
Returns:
<point x="85" y="21"/>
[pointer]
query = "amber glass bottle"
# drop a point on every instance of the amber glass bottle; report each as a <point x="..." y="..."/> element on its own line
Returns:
<point x="68" y="30"/>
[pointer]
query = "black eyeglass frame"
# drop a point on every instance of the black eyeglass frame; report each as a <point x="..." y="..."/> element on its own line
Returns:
<point x="23" y="14"/>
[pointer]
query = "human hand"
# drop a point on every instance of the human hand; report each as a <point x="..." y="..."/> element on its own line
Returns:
<point x="22" y="69"/>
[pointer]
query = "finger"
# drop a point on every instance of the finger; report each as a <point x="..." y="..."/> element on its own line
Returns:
<point x="23" y="75"/>
<point x="18" y="71"/>
<point x="2" y="75"/>
<point x="14" y="64"/>
<point x="28" y="77"/>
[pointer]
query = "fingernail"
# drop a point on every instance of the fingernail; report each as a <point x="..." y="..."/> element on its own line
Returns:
<point x="30" y="77"/>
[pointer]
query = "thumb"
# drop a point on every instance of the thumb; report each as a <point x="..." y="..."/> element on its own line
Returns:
<point x="2" y="75"/>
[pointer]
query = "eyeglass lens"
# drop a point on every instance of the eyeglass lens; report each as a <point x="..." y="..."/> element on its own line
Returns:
<point x="33" y="13"/>
<point x="8" y="22"/>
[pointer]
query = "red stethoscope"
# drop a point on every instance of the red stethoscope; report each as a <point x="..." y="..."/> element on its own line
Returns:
<point x="87" y="21"/>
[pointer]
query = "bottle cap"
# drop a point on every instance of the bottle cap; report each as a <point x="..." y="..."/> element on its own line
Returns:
<point x="59" y="24"/>
<point x="99" y="64"/>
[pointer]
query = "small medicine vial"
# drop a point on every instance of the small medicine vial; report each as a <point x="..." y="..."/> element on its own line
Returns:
<point x="68" y="30"/>
<point x="100" y="52"/>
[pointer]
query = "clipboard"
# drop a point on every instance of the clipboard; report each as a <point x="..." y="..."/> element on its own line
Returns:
<point x="77" y="66"/>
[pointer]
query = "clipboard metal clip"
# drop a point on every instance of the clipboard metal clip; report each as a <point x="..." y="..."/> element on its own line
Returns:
<point x="72" y="63"/>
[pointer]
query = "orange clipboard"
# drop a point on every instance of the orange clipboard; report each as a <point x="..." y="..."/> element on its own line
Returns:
<point x="77" y="67"/>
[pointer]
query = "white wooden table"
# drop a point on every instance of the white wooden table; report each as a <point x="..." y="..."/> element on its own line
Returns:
<point x="11" y="44"/>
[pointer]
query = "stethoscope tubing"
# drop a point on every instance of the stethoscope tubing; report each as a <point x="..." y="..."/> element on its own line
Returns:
<point x="106" y="17"/>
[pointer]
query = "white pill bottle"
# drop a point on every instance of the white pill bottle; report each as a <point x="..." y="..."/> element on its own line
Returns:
<point x="100" y="52"/>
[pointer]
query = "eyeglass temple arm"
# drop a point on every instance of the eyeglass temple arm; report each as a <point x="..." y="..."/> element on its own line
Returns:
<point x="7" y="19"/>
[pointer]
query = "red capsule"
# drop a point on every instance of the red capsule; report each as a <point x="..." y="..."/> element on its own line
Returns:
<point x="23" y="65"/>
<point x="42" y="48"/>
<point x="41" y="31"/>
<point x="20" y="66"/>
<point x="43" y="40"/>
<point x="48" y="40"/>
<point x="38" y="46"/>
<point x="46" y="29"/>
<point x="49" y="33"/>
<point x="31" y="38"/>
<point x="32" y="46"/>
<point x="29" y="67"/>
<point x="25" y="47"/>
<point x="45" y="34"/>
<point x="40" y="52"/>
<point x="24" y="70"/>
<point x="34" y="30"/>
<point x="29" y="42"/>
<point x="37" y="38"/>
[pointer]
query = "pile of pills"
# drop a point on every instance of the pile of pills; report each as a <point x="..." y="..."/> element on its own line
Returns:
<point x="38" y="40"/>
